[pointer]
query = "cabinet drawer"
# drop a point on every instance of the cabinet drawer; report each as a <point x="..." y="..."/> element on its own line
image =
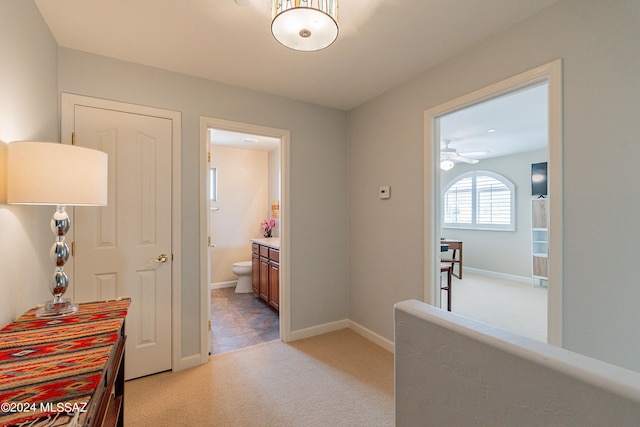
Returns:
<point x="274" y="255"/>
<point x="255" y="248"/>
<point x="264" y="251"/>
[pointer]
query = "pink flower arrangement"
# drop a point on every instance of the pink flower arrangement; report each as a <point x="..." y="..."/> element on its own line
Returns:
<point x="267" y="227"/>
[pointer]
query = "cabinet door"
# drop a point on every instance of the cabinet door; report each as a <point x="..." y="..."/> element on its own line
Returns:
<point x="274" y="285"/>
<point x="255" y="273"/>
<point x="540" y="213"/>
<point x="540" y="266"/>
<point x="264" y="279"/>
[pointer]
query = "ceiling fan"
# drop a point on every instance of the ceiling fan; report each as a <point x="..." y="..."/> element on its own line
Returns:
<point x="450" y="155"/>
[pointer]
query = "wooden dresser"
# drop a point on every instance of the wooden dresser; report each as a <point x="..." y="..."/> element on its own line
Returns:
<point x="66" y="370"/>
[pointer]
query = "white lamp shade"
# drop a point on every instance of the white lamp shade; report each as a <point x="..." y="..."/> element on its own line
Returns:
<point x="45" y="173"/>
<point x="305" y="25"/>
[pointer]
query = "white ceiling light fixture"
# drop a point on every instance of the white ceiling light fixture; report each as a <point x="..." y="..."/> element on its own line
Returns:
<point x="446" y="165"/>
<point x="305" y="25"/>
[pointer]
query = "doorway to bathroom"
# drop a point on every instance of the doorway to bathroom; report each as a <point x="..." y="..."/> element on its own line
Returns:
<point x="245" y="212"/>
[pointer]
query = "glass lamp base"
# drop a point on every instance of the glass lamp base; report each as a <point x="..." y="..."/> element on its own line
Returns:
<point x="55" y="308"/>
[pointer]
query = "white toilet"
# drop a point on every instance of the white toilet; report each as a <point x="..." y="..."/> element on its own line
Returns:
<point x="242" y="269"/>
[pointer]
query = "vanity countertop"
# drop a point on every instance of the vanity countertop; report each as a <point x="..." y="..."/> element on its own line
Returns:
<point x="272" y="242"/>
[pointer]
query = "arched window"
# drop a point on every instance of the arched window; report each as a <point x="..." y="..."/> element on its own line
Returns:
<point x="479" y="200"/>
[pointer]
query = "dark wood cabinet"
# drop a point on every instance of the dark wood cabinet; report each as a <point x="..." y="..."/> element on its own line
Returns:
<point x="255" y="268"/>
<point x="111" y="405"/>
<point x="265" y="274"/>
<point x="274" y="285"/>
<point x="264" y="278"/>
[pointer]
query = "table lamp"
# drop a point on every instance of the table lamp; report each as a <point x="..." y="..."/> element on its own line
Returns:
<point x="45" y="173"/>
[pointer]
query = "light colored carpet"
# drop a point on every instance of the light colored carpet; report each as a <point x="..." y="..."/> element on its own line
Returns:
<point x="513" y="306"/>
<point x="335" y="379"/>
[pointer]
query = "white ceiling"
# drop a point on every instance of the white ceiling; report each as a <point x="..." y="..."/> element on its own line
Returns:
<point x="244" y="141"/>
<point x="381" y="44"/>
<point x="507" y="125"/>
<point x="511" y="124"/>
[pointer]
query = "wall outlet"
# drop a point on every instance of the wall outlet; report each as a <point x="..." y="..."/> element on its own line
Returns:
<point x="385" y="192"/>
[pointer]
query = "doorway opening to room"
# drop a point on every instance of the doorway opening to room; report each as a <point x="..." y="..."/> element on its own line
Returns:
<point x="245" y="229"/>
<point x="479" y="154"/>
<point x="486" y="154"/>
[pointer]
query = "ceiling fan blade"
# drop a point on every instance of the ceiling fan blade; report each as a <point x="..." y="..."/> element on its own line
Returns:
<point x="464" y="159"/>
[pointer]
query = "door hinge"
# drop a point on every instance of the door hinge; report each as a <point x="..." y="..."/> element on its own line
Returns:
<point x="209" y="156"/>
<point x="209" y="324"/>
<point x="73" y="138"/>
<point x="73" y="248"/>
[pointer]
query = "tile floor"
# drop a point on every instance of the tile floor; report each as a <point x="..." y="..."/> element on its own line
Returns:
<point x="240" y="320"/>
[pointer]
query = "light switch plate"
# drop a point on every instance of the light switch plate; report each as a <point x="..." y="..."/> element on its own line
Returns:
<point x="385" y="192"/>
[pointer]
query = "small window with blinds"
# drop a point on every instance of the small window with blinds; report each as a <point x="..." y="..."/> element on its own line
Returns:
<point x="479" y="200"/>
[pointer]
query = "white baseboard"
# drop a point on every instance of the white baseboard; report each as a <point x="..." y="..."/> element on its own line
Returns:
<point x="221" y="285"/>
<point x="318" y="330"/>
<point x="497" y="275"/>
<point x="343" y="324"/>
<point x="371" y="336"/>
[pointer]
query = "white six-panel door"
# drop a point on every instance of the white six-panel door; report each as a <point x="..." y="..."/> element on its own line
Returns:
<point x="119" y="248"/>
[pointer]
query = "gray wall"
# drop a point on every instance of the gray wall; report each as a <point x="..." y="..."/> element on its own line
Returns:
<point x="35" y="71"/>
<point x="318" y="141"/>
<point x="506" y="252"/>
<point x="454" y="371"/>
<point x="598" y="42"/>
<point x="28" y="111"/>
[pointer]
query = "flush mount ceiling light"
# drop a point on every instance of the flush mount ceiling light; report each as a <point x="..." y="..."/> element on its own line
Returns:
<point x="305" y="25"/>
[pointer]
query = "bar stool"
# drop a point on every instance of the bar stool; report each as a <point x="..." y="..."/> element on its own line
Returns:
<point x="446" y="267"/>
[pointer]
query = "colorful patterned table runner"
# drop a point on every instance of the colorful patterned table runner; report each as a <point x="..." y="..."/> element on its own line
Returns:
<point x="53" y="366"/>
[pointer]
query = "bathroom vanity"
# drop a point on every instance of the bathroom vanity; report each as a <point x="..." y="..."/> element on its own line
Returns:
<point x="265" y="270"/>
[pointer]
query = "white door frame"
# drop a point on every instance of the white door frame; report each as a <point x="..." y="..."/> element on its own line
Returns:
<point x="205" y="141"/>
<point x="551" y="73"/>
<point x="68" y="103"/>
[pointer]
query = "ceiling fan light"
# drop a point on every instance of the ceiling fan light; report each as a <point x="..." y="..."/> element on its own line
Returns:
<point x="304" y="25"/>
<point x="446" y="164"/>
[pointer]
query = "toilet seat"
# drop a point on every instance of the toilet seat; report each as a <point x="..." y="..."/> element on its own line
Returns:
<point x="242" y="267"/>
